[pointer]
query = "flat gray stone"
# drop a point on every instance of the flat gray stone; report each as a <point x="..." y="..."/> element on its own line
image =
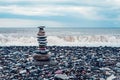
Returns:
<point x="42" y="63"/>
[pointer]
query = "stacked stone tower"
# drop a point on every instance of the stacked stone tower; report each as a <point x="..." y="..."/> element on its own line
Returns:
<point x="42" y="57"/>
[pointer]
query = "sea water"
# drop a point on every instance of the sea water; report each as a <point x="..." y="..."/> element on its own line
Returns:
<point x="61" y="36"/>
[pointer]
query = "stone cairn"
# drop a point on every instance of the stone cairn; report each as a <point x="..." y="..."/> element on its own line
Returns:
<point x="41" y="56"/>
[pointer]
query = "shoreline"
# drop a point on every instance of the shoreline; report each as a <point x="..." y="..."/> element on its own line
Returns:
<point x="68" y="46"/>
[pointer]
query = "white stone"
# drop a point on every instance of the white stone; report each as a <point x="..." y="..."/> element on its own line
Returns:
<point x="22" y="71"/>
<point x="62" y="76"/>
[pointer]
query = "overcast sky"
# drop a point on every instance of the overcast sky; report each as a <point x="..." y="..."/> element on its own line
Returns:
<point x="60" y="13"/>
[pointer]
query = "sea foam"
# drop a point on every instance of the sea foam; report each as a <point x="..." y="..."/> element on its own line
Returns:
<point x="59" y="40"/>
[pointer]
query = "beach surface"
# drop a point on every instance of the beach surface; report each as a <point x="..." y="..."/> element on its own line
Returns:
<point x="73" y="63"/>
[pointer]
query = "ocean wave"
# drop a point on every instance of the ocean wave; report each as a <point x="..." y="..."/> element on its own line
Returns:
<point x="81" y="40"/>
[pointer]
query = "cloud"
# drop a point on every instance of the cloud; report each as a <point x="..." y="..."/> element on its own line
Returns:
<point x="52" y="10"/>
<point x="36" y="1"/>
<point x="59" y="11"/>
<point x="98" y="3"/>
<point x="87" y="9"/>
<point x="29" y="10"/>
<point x="4" y="22"/>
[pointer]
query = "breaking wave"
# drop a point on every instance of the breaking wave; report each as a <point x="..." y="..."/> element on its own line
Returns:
<point x="81" y="40"/>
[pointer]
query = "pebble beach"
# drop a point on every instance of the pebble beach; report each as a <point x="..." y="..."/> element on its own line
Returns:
<point x="73" y="63"/>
